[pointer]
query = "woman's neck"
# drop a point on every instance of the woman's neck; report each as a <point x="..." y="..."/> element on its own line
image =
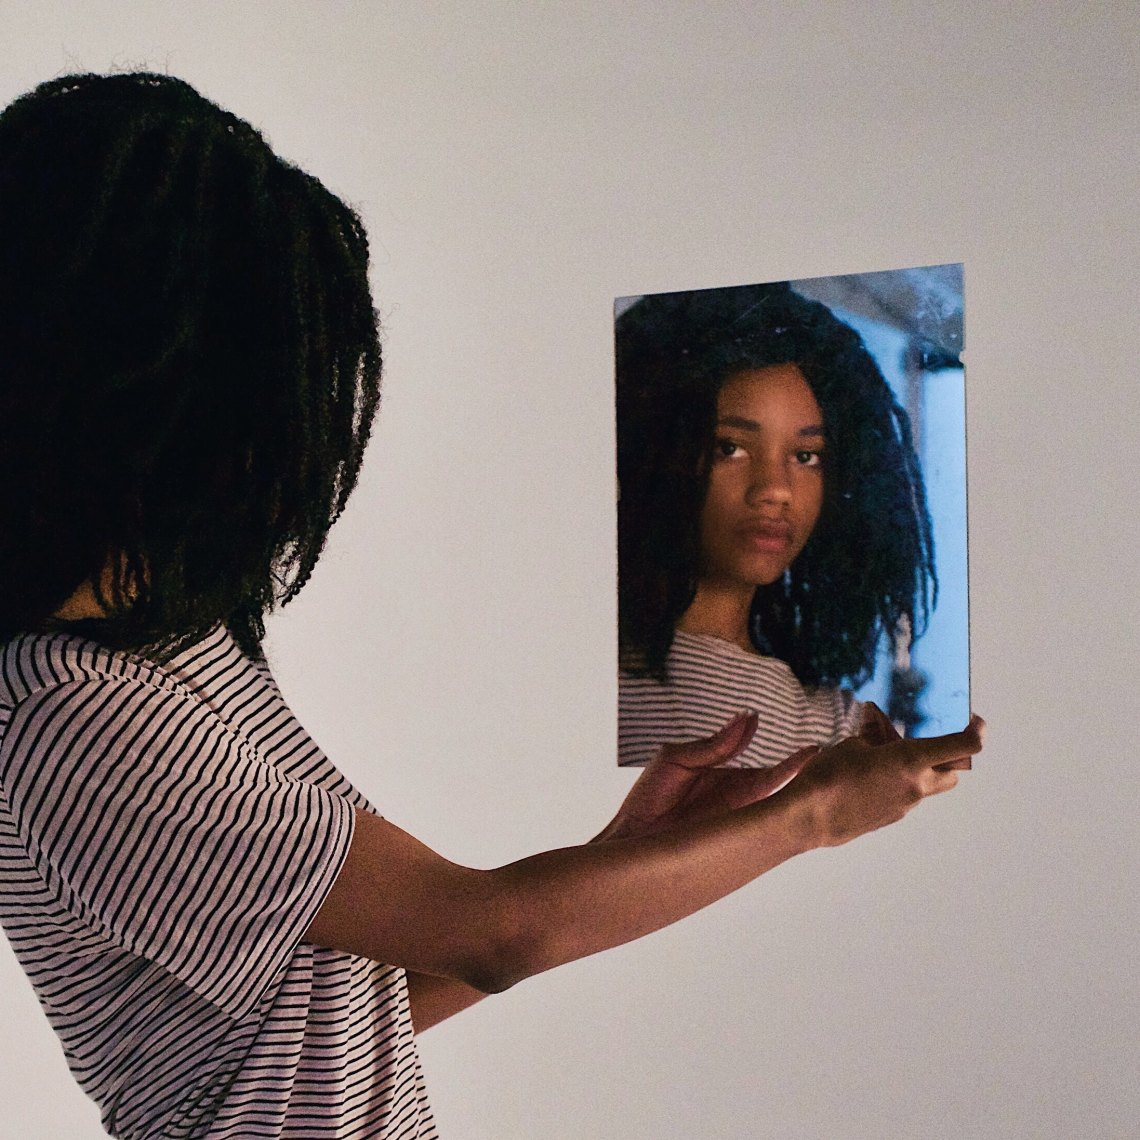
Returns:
<point x="720" y="611"/>
<point x="82" y="604"/>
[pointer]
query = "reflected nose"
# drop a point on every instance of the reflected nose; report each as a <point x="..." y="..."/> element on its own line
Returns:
<point x="769" y="483"/>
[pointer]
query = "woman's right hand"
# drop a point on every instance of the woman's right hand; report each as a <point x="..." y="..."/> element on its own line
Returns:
<point x="870" y="780"/>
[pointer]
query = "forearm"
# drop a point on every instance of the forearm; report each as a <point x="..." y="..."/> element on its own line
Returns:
<point x="397" y="901"/>
<point x="574" y="902"/>
<point x="567" y="904"/>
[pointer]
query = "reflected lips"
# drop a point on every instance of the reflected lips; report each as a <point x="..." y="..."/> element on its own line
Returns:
<point x="773" y="536"/>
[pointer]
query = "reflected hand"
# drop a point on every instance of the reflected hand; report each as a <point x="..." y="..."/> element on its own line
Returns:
<point x="684" y="782"/>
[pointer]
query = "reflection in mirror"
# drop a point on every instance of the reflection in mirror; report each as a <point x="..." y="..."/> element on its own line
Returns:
<point x="792" y="510"/>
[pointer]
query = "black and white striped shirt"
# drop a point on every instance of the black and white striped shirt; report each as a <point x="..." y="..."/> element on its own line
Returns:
<point x="167" y="834"/>
<point x="709" y="682"/>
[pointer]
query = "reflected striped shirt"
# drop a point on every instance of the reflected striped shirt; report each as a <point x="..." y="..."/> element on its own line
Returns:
<point x="709" y="682"/>
<point x="167" y="834"/>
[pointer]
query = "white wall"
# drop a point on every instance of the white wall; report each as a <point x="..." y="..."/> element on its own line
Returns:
<point x="967" y="974"/>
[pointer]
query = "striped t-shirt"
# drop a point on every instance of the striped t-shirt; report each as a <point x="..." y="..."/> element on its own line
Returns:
<point x="167" y="834"/>
<point x="709" y="682"/>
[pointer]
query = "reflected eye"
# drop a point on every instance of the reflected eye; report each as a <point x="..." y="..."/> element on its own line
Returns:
<point x="807" y="458"/>
<point x="728" y="449"/>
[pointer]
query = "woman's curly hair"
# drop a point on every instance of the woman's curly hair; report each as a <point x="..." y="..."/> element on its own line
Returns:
<point x="869" y="561"/>
<point x="189" y="362"/>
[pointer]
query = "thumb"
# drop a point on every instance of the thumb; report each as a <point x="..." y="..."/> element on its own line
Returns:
<point x="876" y="727"/>
<point x="787" y="770"/>
<point x="710" y="751"/>
<point x="740" y="787"/>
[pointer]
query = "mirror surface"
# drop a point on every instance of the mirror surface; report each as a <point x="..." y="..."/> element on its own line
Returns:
<point x="867" y="603"/>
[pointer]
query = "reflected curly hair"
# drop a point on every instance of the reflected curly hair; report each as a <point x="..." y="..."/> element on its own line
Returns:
<point x="869" y="561"/>
<point x="189" y="363"/>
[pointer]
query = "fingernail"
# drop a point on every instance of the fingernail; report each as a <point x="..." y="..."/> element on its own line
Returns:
<point x="729" y="727"/>
<point x="737" y="720"/>
<point x="808" y="753"/>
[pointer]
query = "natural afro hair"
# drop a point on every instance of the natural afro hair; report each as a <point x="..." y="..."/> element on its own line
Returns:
<point x="869" y="562"/>
<point x="189" y="362"/>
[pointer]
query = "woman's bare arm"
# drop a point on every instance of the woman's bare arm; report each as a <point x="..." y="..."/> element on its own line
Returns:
<point x="677" y="785"/>
<point x="398" y="901"/>
<point x="434" y="999"/>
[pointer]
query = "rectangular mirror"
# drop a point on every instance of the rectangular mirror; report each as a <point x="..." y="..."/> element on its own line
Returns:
<point x="792" y="509"/>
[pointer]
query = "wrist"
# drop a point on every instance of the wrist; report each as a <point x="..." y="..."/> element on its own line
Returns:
<point x="798" y="818"/>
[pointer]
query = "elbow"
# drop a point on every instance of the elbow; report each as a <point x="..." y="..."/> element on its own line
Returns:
<point x="491" y="971"/>
<point x="490" y="978"/>
<point x="500" y="963"/>
<point x="510" y="943"/>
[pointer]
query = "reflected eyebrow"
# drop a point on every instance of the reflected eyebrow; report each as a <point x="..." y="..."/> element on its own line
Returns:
<point x="752" y="425"/>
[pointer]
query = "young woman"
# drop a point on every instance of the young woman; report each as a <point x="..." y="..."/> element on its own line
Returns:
<point x="772" y="521"/>
<point x="228" y="939"/>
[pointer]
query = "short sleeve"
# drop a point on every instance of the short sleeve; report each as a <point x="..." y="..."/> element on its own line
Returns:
<point x="154" y="823"/>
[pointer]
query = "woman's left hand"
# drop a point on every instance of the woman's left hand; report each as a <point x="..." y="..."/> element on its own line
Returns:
<point x="686" y="782"/>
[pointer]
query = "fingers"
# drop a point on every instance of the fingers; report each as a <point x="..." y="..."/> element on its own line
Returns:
<point x="714" y="750"/>
<point x="718" y="790"/>
<point x="951" y="752"/>
<point x="670" y="777"/>
<point x="876" y="726"/>
<point x="941" y="780"/>
<point x="787" y="770"/>
<point x="743" y="786"/>
<point x="977" y="727"/>
<point x="955" y="765"/>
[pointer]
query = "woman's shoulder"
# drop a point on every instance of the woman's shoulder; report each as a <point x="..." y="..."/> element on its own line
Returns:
<point x="699" y="663"/>
<point x="701" y="660"/>
<point x="31" y="663"/>
<point x="710" y="680"/>
<point x="211" y="687"/>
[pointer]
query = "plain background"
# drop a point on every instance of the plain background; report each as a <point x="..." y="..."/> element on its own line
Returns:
<point x="970" y="973"/>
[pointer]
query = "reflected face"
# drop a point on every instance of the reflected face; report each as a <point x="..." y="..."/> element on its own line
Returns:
<point x="766" y="482"/>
